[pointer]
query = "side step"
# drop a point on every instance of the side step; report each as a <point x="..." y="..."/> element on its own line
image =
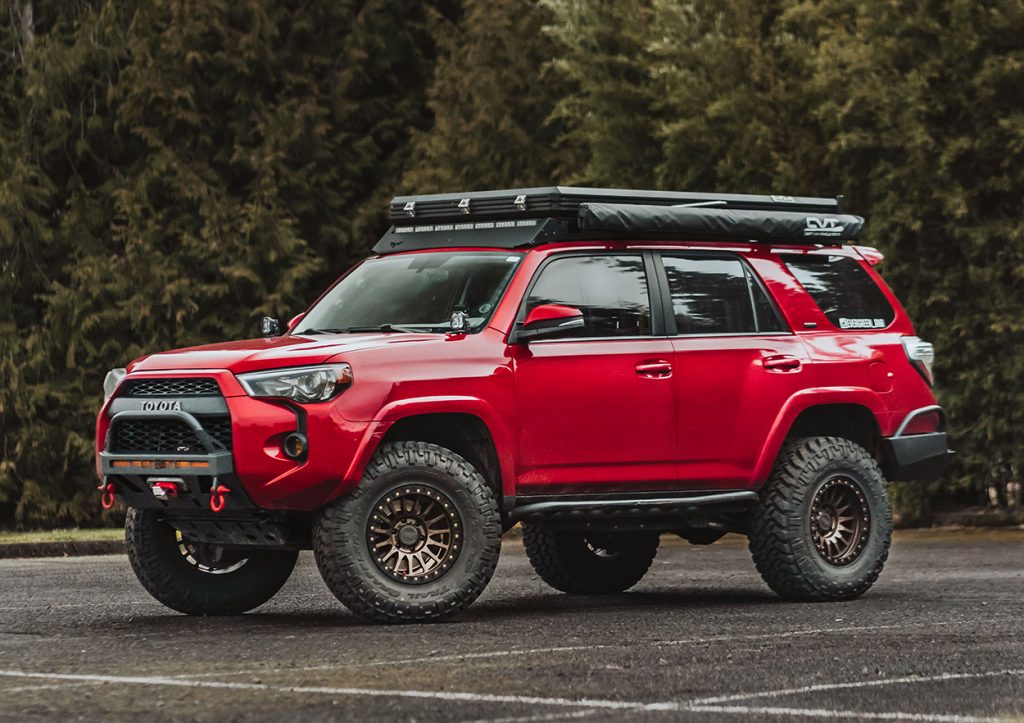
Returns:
<point x="608" y="507"/>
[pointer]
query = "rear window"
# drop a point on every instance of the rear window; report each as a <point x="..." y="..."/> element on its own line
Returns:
<point x="844" y="291"/>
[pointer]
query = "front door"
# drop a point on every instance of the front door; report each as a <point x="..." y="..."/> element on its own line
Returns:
<point x="596" y="409"/>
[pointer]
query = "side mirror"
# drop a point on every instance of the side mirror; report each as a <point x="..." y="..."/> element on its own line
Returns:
<point x="295" y="321"/>
<point x="270" y="326"/>
<point x="549" y="320"/>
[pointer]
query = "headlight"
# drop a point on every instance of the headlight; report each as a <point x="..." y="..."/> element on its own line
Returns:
<point x="305" y="384"/>
<point x="110" y="382"/>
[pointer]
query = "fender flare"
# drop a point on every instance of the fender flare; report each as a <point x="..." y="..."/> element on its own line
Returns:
<point x="398" y="410"/>
<point x="804" y="400"/>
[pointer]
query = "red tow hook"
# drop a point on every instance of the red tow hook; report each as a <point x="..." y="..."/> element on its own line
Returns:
<point x="217" y="500"/>
<point x="107" y="501"/>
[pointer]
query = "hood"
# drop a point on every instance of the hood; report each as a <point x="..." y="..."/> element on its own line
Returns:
<point x="282" y="351"/>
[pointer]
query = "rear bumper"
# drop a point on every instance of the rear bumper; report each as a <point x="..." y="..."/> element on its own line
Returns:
<point x="917" y="456"/>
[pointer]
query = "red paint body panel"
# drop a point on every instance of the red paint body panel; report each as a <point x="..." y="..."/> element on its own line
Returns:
<point x="698" y="412"/>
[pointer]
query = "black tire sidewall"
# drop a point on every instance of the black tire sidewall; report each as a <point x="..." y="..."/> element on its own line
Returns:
<point x="161" y="568"/>
<point x="780" y="532"/>
<point x="346" y="561"/>
<point x="470" y="517"/>
<point x="565" y="562"/>
<point x="823" y="574"/>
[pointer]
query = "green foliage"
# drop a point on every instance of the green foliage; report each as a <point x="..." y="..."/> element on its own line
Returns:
<point x="491" y="98"/>
<point x="171" y="171"/>
<point x="609" y="112"/>
<point x="930" y="129"/>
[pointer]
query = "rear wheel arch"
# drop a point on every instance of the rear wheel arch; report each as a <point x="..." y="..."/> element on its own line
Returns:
<point x="851" y="421"/>
<point x="847" y="414"/>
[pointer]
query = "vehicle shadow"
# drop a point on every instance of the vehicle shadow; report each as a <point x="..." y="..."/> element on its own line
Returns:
<point x="522" y="608"/>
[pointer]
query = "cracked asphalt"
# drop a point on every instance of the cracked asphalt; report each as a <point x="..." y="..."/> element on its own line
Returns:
<point x="939" y="638"/>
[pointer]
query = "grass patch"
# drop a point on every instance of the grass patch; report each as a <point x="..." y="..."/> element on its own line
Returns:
<point x="69" y="535"/>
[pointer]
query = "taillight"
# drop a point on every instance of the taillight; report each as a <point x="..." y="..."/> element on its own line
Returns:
<point x="922" y="355"/>
<point x="924" y="424"/>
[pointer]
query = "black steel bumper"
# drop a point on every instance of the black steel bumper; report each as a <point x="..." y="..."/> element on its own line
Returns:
<point x="917" y="456"/>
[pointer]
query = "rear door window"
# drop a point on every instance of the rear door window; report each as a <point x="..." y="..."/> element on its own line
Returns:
<point x="843" y="290"/>
<point x="718" y="295"/>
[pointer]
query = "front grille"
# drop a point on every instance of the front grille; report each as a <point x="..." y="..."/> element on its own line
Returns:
<point x="184" y="387"/>
<point x="167" y="436"/>
<point x="219" y="428"/>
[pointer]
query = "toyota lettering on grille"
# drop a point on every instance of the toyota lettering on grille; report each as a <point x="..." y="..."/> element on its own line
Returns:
<point x="162" y="406"/>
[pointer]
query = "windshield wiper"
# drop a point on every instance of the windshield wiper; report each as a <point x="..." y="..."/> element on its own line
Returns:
<point x="357" y="329"/>
<point x="384" y="327"/>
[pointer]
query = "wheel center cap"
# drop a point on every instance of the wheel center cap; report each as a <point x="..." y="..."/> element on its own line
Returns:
<point x="824" y="521"/>
<point x="408" y="535"/>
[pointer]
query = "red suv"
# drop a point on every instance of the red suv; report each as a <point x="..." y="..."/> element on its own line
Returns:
<point x="601" y="366"/>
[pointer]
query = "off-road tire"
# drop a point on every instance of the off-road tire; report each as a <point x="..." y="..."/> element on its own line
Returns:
<point x="781" y="539"/>
<point x="350" y="570"/>
<point x="158" y="562"/>
<point x="566" y="562"/>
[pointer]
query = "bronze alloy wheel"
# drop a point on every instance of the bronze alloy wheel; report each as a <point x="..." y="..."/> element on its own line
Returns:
<point x="839" y="521"/>
<point x="211" y="559"/>
<point x="414" y="534"/>
<point x="604" y="547"/>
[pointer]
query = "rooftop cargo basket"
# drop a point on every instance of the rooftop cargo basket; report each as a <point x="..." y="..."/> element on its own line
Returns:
<point x="529" y="216"/>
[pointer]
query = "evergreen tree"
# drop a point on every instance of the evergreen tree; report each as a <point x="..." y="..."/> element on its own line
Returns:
<point x="491" y="97"/>
<point x="177" y="170"/>
<point x="610" y="109"/>
<point x="922" y="106"/>
<point x="738" y="115"/>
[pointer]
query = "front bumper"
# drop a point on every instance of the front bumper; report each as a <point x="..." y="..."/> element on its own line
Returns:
<point x="917" y="456"/>
<point x="252" y="464"/>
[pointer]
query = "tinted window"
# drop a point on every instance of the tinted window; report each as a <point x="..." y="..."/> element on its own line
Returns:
<point x="843" y="290"/>
<point x="717" y="296"/>
<point x="610" y="290"/>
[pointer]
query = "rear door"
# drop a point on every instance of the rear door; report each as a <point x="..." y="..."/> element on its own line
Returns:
<point x="735" y="365"/>
<point x="597" y="408"/>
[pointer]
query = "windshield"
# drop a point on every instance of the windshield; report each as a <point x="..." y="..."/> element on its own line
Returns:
<point x="414" y="292"/>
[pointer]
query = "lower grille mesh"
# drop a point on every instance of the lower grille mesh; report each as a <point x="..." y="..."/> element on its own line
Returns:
<point x="168" y="436"/>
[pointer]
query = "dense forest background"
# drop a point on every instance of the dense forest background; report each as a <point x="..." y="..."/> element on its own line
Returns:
<point x="172" y="170"/>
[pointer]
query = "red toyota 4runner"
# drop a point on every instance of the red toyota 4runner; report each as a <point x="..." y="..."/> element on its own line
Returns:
<point x="602" y="366"/>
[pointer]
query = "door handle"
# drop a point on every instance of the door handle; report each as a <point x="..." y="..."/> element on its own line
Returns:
<point x="781" y="363"/>
<point x="654" y="368"/>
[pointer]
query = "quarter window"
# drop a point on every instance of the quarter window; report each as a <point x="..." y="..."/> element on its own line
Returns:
<point x="610" y="290"/>
<point x="716" y="295"/>
<point x="843" y="290"/>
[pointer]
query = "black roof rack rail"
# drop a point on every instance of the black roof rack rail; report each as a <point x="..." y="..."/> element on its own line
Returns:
<point x="529" y="216"/>
<point x="564" y="202"/>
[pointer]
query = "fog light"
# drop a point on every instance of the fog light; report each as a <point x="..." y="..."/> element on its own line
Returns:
<point x="295" y="445"/>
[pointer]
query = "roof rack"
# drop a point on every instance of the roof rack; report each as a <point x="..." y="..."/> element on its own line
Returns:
<point x="529" y="216"/>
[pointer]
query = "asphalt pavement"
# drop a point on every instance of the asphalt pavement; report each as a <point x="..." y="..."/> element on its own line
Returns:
<point x="939" y="638"/>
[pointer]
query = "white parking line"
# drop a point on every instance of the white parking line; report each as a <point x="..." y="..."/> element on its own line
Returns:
<point x="52" y="686"/>
<point x="588" y="705"/>
<point x="460" y="657"/>
<point x="369" y="692"/>
<point x="834" y="714"/>
<point x="905" y="680"/>
<point x="543" y="717"/>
